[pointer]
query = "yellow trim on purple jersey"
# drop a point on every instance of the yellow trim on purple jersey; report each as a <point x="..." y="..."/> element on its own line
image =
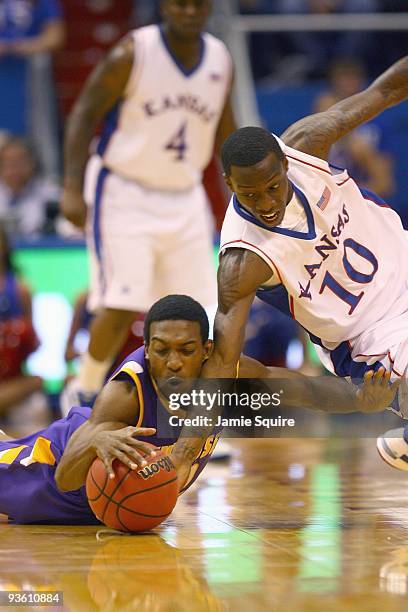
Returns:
<point x="137" y="382"/>
<point x="41" y="453"/>
<point x="9" y="455"/>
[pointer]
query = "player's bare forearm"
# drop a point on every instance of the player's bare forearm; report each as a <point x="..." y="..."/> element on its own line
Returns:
<point x="240" y="273"/>
<point x="104" y="87"/>
<point x="116" y="409"/>
<point x="315" y="134"/>
<point x="327" y="393"/>
<point x="336" y="395"/>
<point x="79" y="454"/>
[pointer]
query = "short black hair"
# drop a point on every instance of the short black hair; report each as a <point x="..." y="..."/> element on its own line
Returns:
<point x="248" y="146"/>
<point x="177" y="308"/>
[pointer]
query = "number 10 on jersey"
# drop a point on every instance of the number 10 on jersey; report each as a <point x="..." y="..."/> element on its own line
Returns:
<point x="178" y="143"/>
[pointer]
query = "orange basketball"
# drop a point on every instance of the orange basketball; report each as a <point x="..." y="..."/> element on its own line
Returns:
<point x="135" y="500"/>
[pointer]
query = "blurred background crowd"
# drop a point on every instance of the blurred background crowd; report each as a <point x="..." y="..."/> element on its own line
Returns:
<point x="47" y="48"/>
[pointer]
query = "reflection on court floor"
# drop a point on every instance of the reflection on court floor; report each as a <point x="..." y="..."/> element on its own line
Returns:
<point x="287" y="525"/>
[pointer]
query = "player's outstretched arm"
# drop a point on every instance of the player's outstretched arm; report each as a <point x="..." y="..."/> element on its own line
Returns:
<point x="109" y="434"/>
<point x="240" y="273"/>
<point x="315" y="134"/>
<point x="327" y="393"/>
<point x="103" y="88"/>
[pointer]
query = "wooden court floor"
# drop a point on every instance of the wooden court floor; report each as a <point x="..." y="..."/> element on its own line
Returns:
<point x="288" y="525"/>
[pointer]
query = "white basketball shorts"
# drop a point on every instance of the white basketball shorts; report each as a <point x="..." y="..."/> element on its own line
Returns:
<point x="146" y="244"/>
<point x="384" y="344"/>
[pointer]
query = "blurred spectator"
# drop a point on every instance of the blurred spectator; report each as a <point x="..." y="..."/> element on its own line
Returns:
<point x="29" y="31"/>
<point x="28" y="202"/>
<point x="316" y="49"/>
<point x="17" y="335"/>
<point x="30" y="26"/>
<point x="364" y="151"/>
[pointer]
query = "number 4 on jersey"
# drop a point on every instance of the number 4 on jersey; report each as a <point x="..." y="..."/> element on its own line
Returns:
<point x="178" y="143"/>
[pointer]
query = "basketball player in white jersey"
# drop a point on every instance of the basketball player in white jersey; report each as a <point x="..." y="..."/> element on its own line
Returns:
<point x="304" y="237"/>
<point x="163" y="92"/>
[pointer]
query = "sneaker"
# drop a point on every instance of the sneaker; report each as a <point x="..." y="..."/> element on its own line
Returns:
<point x="72" y="395"/>
<point x="393" y="448"/>
<point x="399" y="404"/>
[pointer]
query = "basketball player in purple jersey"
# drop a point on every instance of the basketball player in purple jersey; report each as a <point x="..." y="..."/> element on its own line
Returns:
<point x="42" y="476"/>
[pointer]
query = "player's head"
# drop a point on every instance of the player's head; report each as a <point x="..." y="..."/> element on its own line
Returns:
<point x="255" y="169"/>
<point x="185" y="18"/>
<point x="176" y="339"/>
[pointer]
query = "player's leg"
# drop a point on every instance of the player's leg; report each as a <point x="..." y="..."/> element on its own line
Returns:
<point x="122" y="263"/>
<point x="110" y="326"/>
<point x="186" y="263"/>
<point x="393" y="445"/>
<point x="28" y="492"/>
<point x="16" y="390"/>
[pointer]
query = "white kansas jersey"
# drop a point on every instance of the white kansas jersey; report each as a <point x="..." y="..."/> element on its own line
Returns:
<point x="340" y="252"/>
<point x="161" y="133"/>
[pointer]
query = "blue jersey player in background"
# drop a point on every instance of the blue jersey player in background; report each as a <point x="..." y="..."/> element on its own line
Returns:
<point x="42" y="476"/>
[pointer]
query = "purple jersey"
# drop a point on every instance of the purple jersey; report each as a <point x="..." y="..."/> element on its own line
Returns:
<point x="28" y="492"/>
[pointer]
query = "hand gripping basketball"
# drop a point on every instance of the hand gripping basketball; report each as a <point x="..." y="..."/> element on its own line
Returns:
<point x="122" y="444"/>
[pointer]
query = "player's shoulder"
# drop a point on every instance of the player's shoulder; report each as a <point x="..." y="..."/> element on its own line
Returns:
<point x="149" y="30"/>
<point x="133" y="366"/>
<point x="146" y="35"/>
<point x="292" y="148"/>
<point x="216" y="44"/>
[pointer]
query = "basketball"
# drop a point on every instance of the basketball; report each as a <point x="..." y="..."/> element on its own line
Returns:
<point x="135" y="500"/>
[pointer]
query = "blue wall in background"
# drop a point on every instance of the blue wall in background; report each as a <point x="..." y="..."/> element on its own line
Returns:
<point x="13" y="101"/>
<point x="280" y="107"/>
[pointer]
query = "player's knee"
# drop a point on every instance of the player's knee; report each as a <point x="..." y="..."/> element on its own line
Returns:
<point x="120" y="318"/>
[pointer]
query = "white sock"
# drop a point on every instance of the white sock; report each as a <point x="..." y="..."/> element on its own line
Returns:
<point x="92" y="373"/>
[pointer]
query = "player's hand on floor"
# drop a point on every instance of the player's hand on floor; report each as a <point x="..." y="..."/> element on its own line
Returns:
<point x="122" y="444"/>
<point x="73" y="207"/>
<point x="376" y="393"/>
